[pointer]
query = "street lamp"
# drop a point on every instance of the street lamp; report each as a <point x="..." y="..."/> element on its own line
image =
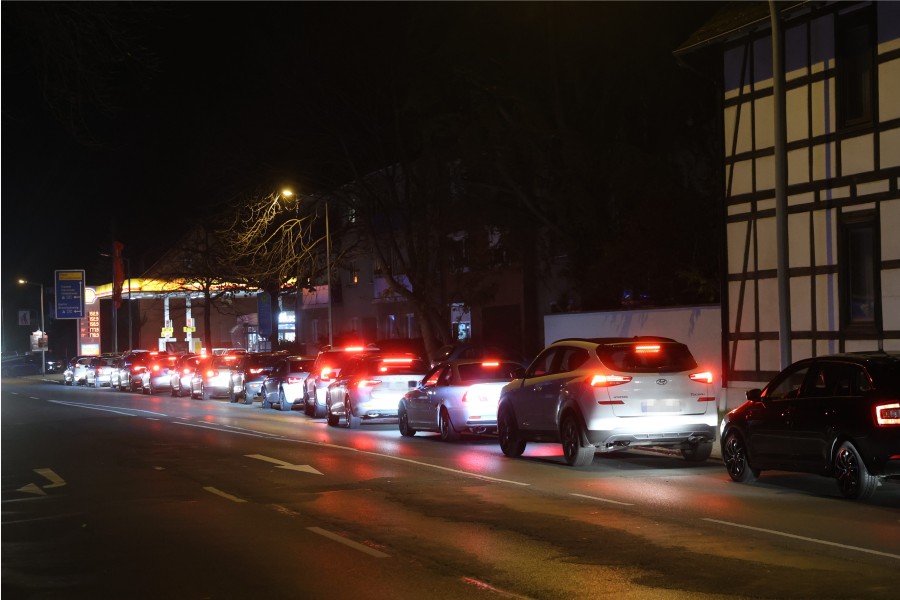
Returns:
<point x="41" y="339"/>
<point x="288" y="194"/>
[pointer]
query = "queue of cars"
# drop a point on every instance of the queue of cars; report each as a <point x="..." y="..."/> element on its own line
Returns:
<point x="836" y="415"/>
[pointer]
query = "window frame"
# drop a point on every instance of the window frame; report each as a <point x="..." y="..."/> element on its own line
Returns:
<point x="849" y="268"/>
<point x="857" y="71"/>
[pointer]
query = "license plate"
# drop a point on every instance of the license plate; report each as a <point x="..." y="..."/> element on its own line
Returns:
<point x="661" y="405"/>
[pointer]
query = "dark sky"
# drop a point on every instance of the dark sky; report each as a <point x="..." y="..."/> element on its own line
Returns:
<point x="132" y="121"/>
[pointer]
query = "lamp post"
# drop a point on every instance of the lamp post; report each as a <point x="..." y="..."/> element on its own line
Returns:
<point x="41" y="340"/>
<point x="288" y="194"/>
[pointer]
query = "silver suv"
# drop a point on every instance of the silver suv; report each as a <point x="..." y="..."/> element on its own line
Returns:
<point x="607" y="394"/>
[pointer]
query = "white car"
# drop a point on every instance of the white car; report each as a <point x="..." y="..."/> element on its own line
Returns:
<point x="607" y="394"/>
<point x="457" y="396"/>
<point x="369" y="389"/>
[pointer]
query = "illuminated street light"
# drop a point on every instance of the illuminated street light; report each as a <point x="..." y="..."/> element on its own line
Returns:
<point x="287" y="194"/>
<point x="43" y="333"/>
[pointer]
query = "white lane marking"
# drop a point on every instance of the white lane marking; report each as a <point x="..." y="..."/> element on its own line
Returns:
<point x="75" y="404"/>
<point x="805" y="539"/>
<point x="603" y="499"/>
<point x="217" y="492"/>
<point x="219" y="429"/>
<point x="350" y="543"/>
<point x="32" y="488"/>
<point x="285" y="465"/>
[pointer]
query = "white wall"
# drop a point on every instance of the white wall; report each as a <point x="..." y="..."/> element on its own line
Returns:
<point x="700" y="327"/>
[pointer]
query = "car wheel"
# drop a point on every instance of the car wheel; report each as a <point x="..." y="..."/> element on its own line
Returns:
<point x="575" y="453"/>
<point x="508" y="433"/>
<point x="232" y="397"/>
<point x="737" y="462"/>
<point x="353" y="421"/>
<point x="245" y="397"/>
<point x="403" y="423"/>
<point x="333" y="419"/>
<point x="697" y="452"/>
<point x="282" y="401"/>
<point x="174" y="392"/>
<point x="205" y="393"/>
<point x="853" y="478"/>
<point x="448" y="434"/>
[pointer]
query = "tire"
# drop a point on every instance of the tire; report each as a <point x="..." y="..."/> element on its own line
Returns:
<point x="353" y="422"/>
<point x="264" y="400"/>
<point x="508" y="433"/>
<point x="175" y="393"/>
<point x="574" y="450"/>
<point x="697" y="452"/>
<point x="246" y="398"/>
<point x="737" y="460"/>
<point x="403" y="423"/>
<point x="282" y="402"/>
<point x="448" y="433"/>
<point x="853" y="478"/>
<point x="333" y="419"/>
<point x="232" y="397"/>
<point x="205" y="393"/>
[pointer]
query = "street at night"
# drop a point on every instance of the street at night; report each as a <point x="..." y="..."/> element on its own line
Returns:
<point x="112" y="494"/>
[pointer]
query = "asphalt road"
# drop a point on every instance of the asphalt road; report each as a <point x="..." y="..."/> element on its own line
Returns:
<point x="108" y="494"/>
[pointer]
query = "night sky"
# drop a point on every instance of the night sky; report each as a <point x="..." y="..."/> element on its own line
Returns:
<point x="134" y="121"/>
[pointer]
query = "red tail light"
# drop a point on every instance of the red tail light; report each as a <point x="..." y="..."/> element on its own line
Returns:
<point x="211" y="373"/>
<point x="365" y="383"/>
<point x="705" y="377"/>
<point x="490" y="363"/>
<point x="156" y="367"/>
<point x="647" y="349"/>
<point x="608" y="380"/>
<point x="887" y="414"/>
<point x="325" y="375"/>
<point x="186" y="371"/>
<point x="291" y="380"/>
<point x="255" y="371"/>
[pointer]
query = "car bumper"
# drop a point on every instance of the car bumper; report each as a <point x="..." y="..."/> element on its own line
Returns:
<point x="651" y="431"/>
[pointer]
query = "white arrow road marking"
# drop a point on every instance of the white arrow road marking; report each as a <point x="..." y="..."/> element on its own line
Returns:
<point x="285" y="465"/>
<point x="48" y="474"/>
<point x="32" y="488"/>
<point x="54" y="479"/>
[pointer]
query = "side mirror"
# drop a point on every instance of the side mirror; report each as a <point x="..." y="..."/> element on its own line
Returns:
<point x="755" y="394"/>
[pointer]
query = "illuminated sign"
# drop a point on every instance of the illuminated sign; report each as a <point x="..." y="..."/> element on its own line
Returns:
<point x="89" y="333"/>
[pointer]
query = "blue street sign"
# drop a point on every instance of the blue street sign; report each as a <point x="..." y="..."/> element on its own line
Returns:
<point x="70" y="294"/>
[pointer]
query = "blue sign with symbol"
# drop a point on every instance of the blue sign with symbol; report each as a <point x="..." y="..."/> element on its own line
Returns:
<point x="70" y="294"/>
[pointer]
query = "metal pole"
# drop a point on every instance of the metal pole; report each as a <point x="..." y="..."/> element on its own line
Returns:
<point x="328" y="265"/>
<point x="781" y="208"/>
<point x="130" y="327"/>
<point x="43" y="333"/>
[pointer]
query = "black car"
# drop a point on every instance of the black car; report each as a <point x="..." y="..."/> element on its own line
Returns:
<point x="248" y="377"/>
<point x="836" y="415"/>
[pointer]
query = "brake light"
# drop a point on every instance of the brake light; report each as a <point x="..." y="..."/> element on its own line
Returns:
<point x="404" y="361"/>
<point x="156" y="367"/>
<point x="705" y="377"/>
<point x="211" y="373"/>
<point x="325" y="374"/>
<point x="186" y="371"/>
<point x="647" y="349"/>
<point x="366" y="383"/>
<point x="255" y="371"/>
<point x="353" y="349"/>
<point x="608" y="380"/>
<point x="887" y="414"/>
<point x="291" y="380"/>
<point x="492" y="363"/>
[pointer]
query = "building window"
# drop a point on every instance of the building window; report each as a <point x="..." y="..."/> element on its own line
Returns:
<point x="859" y="271"/>
<point x="856" y="68"/>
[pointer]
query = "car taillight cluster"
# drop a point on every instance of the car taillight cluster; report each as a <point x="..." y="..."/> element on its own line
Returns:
<point x="887" y="414"/>
<point x="608" y="380"/>
<point x="705" y="377"/>
<point x="292" y="380"/>
<point x="325" y="374"/>
<point x="367" y="383"/>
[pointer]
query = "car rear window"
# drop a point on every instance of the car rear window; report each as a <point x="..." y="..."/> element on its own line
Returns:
<point x="395" y="366"/>
<point x="887" y="377"/>
<point x="487" y="371"/>
<point x="300" y="366"/>
<point x="647" y="357"/>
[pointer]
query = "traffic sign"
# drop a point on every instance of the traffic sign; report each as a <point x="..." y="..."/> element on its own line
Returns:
<point x="70" y="294"/>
